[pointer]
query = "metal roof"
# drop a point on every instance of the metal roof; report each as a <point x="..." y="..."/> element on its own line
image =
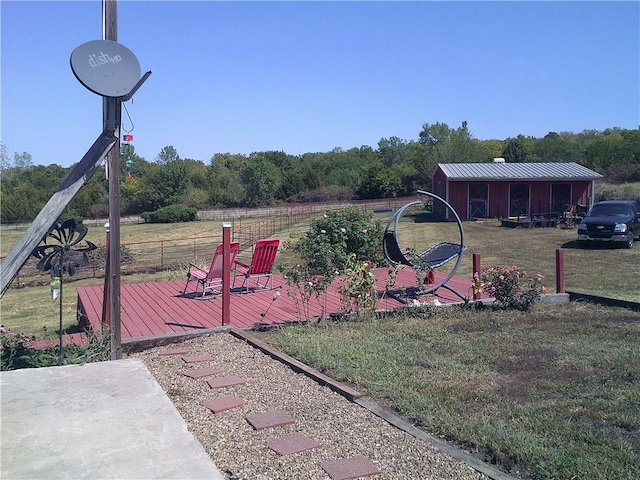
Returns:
<point x="518" y="171"/>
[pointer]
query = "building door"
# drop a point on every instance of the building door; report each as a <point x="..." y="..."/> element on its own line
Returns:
<point x="478" y="200"/>
<point x="518" y="200"/>
<point x="560" y="198"/>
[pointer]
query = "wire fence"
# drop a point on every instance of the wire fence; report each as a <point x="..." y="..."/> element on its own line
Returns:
<point x="175" y="254"/>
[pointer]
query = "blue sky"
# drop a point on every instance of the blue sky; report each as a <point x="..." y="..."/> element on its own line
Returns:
<point x="302" y="77"/>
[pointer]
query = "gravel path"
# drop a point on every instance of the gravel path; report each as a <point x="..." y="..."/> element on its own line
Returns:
<point x="343" y="428"/>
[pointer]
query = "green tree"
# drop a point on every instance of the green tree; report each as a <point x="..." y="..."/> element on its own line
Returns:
<point x="91" y="194"/>
<point x="226" y="186"/>
<point x="5" y="163"/>
<point x="158" y="185"/>
<point x="438" y="143"/>
<point x="141" y="193"/>
<point x="261" y="180"/>
<point x="174" y="181"/>
<point x="434" y="134"/>
<point x="379" y="182"/>
<point x="22" y="160"/>
<point x="28" y="189"/>
<point x="168" y="154"/>
<point x="131" y="164"/>
<point x="492" y="149"/>
<point x="340" y="168"/>
<point x="555" y="147"/>
<point x="394" y="151"/>
<point x="292" y="175"/>
<point x="515" y="150"/>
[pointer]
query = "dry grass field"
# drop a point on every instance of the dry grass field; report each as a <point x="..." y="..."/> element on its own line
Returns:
<point x="598" y="270"/>
<point x="604" y="271"/>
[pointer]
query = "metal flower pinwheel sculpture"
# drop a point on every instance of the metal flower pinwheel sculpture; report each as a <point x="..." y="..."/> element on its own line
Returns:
<point x="59" y="252"/>
<point x="60" y="257"/>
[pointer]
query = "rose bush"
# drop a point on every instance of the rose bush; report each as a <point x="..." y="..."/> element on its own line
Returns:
<point x="329" y="249"/>
<point x="511" y="288"/>
<point x="358" y="295"/>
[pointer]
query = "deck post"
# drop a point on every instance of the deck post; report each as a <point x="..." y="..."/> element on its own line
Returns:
<point x="476" y="269"/>
<point x="559" y="270"/>
<point x="226" y="274"/>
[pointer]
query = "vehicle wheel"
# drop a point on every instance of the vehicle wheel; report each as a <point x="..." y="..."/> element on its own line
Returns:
<point x="630" y="240"/>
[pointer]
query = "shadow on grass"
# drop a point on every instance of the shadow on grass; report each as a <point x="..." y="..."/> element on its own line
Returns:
<point x="589" y="245"/>
<point x="426" y="217"/>
<point x="74" y="329"/>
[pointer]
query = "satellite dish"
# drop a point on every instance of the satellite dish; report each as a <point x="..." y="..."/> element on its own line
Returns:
<point x="105" y="67"/>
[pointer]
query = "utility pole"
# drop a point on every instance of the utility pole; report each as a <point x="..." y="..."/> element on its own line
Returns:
<point x="112" y="114"/>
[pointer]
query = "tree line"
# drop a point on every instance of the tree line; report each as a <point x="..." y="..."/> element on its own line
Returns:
<point x="397" y="167"/>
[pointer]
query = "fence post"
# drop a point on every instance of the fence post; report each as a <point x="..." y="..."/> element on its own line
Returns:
<point x="476" y="269"/>
<point x="559" y="270"/>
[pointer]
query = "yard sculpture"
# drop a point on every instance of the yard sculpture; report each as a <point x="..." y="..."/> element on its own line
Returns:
<point x="431" y="258"/>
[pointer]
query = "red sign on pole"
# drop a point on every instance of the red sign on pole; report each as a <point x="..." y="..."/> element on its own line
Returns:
<point x="127" y="137"/>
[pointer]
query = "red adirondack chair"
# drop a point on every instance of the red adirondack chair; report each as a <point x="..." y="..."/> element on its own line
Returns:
<point x="261" y="266"/>
<point x="211" y="280"/>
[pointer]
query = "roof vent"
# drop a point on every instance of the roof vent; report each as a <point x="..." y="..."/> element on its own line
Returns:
<point x="499" y="160"/>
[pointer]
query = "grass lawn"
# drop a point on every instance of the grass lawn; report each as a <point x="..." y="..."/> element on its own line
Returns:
<point x="553" y="393"/>
<point x="609" y="272"/>
<point x="31" y="310"/>
<point x="597" y="270"/>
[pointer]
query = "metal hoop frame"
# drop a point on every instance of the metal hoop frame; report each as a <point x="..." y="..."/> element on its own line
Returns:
<point x="395" y="219"/>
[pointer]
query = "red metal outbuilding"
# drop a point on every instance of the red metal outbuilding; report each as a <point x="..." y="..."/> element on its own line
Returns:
<point x="500" y="189"/>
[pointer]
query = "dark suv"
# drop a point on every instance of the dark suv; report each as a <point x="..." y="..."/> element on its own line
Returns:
<point x="611" y="221"/>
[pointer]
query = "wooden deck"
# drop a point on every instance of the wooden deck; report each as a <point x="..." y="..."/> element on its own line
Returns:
<point x="149" y="309"/>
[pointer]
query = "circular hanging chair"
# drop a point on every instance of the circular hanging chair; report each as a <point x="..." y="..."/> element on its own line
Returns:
<point x="433" y="257"/>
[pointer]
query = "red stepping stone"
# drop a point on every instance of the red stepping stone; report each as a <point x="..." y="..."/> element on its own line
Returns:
<point x="221" y="382"/>
<point x="198" y="358"/>
<point x="349" y="468"/>
<point x="221" y="404"/>
<point x="295" y="443"/>
<point x="202" y="372"/>
<point x="174" y="351"/>
<point x="276" y="418"/>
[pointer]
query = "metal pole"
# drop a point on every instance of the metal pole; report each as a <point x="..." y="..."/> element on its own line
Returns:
<point x="105" y="294"/>
<point x="111" y="113"/>
<point x="61" y="275"/>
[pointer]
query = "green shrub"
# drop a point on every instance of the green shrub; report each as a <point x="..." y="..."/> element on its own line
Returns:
<point x="332" y="245"/>
<point x="17" y="353"/>
<point x="171" y="214"/>
<point x="332" y="239"/>
<point x="70" y="216"/>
